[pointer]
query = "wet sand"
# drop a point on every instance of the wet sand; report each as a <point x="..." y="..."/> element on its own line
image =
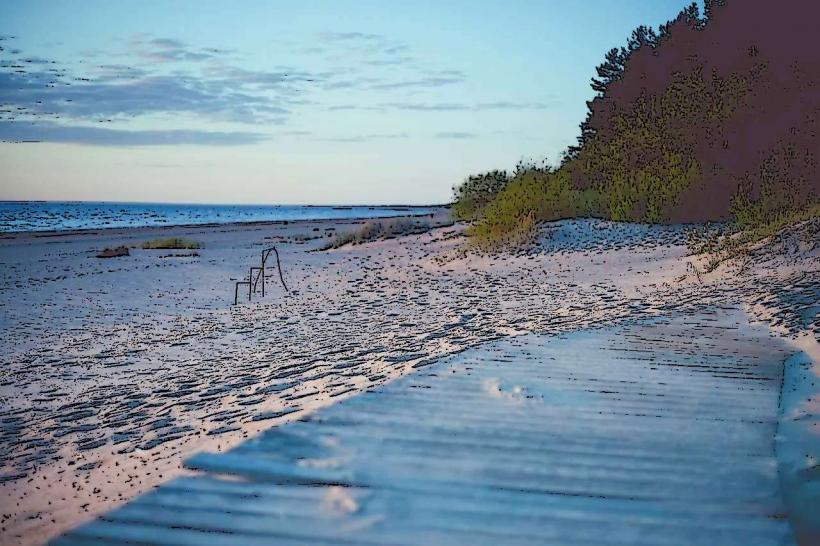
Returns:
<point x="115" y="370"/>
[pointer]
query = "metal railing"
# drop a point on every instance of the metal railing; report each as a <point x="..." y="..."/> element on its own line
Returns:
<point x="253" y="283"/>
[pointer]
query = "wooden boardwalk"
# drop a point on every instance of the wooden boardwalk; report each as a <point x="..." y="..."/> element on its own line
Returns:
<point x="656" y="434"/>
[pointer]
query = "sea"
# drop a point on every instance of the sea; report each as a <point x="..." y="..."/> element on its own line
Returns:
<point x="21" y="216"/>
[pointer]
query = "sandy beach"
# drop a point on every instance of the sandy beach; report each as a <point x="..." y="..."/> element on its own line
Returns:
<point x="115" y="370"/>
<point x="360" y="274"/>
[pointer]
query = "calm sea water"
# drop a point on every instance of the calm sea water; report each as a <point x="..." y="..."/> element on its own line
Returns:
<point x="61" y="216"/>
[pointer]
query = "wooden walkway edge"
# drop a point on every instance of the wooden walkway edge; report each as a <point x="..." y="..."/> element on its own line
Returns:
<point x="658" y="433"/>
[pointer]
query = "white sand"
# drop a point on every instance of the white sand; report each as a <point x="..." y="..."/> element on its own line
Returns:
<point x="115" y="370"/>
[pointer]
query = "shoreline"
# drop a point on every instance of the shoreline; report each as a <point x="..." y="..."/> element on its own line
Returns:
<point x="100" y="231"/>
<point x="435" y="209"/>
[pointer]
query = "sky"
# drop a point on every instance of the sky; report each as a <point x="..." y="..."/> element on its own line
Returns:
<point x="292" y="102"/>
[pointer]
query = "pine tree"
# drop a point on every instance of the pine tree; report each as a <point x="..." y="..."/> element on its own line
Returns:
<point x="709" y="7"/>
<point x="691" y="14"/>
<point x="610" y="70"/>
<point x="642" y="36"/>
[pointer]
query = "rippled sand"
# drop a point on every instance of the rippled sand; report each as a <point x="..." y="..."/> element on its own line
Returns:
<point x="115" y="370"/>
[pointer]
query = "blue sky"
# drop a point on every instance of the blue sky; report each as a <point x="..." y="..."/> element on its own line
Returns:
<point x="292" y="102"/>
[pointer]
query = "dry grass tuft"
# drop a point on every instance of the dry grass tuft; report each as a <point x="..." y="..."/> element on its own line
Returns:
<point x="170" y="243"/>
<point x="389" y="228"/>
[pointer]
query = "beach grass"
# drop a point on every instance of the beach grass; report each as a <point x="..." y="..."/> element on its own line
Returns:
<point x="170" y="243"/>
<point x="736" y="241"/>
<point x="389" y="228"/>
<point x="115" y="252"/>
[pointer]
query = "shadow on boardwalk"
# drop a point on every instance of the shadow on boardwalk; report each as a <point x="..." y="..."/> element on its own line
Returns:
<point x="653" y="433"/>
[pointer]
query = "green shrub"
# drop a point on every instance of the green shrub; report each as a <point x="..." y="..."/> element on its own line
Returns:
<point x="529" y="198"/>
<point x="786" y="187"/>
<point x="472" y="195"/>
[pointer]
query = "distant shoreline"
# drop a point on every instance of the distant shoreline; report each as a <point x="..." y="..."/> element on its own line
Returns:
<point x="238" y="225"/>
<point x="391" y="211"/>
<point x="249" y="205"/>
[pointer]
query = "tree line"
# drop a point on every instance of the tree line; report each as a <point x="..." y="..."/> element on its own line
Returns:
<point x="714" y="116"/>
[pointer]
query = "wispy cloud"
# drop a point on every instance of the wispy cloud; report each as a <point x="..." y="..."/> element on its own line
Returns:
<point x="344" y="107"/>
<point x="98" y="136"/>
<point x="455" y="135"/>
<point x="364" y="137"/>
<point x="331" y="36"/>
<point x="441" y="107"/>
<point x="163" y="77"/>
<point x="426" y="82"/>
<point x="44" y="94"/>
<point x="165" y="50"/>
<point x="360" y="48"/>
<point x="460" y="107"/>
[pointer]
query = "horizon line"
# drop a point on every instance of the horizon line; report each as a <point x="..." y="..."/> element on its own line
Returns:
<point x="335" y="205"/>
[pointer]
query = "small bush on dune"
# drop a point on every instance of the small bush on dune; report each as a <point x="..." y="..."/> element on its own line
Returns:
<point x="172" y="243"/>
<point x="787" y="187"/>
<point x="472" y="195"/>
<point x="531" y="197"/>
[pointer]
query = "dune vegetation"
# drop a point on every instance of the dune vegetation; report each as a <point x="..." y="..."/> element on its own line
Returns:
<point x="388" y="228"/>
<point x="170" y="243"/>
<point x="713" y="117"/>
